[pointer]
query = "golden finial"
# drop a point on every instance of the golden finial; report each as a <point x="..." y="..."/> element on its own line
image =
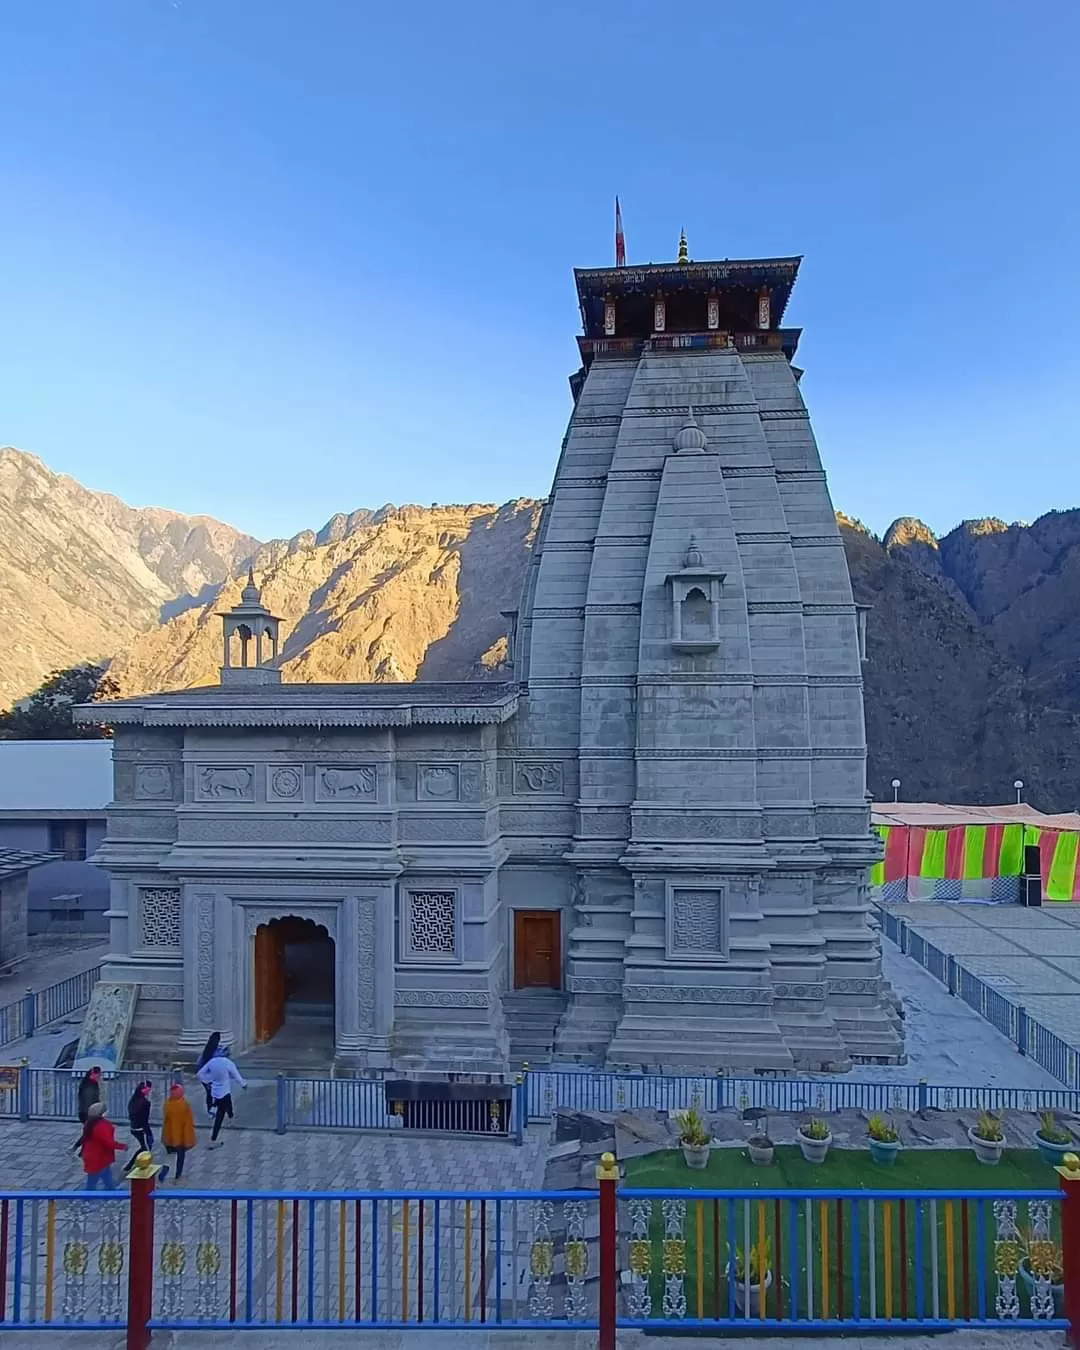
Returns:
<point x="684" y="257"/>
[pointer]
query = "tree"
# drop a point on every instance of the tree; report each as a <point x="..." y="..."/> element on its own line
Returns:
<point x="46" y="714"/>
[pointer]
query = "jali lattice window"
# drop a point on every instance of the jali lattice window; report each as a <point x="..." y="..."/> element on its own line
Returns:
<point x="159" y="916"/>
<point x="431" y="925"/>
<point x="696" y="923"/>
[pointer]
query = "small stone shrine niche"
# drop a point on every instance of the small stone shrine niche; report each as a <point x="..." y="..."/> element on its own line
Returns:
<point x="250" y="640"/>
<point x="695" y="604"/>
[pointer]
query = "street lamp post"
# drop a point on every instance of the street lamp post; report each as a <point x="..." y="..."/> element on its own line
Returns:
<point x="896" y="789"/>
<point x="1019" y="786"/>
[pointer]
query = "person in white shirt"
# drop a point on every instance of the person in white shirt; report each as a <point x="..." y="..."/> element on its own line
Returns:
<point x="218" y="1075"/>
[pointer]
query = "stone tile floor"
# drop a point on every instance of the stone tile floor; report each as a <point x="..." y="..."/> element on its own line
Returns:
<point x="38" y="1156"/>
<point x="1032" y="956"/>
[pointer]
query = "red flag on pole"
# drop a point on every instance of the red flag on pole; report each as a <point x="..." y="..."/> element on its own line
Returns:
<point x="620" y="243"/>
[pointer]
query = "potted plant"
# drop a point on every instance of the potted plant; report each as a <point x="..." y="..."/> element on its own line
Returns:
<point x="750" y="1291"/>
<point x="1042" y="1259"/>
<point x="761" y="1149"/>
<point x="987" y="1139"/>
<point x="694" y="1138"/>
<point x="814" y="1139"/>
<point x="884" y="1140"/>
<point x="1053" y="1140"/>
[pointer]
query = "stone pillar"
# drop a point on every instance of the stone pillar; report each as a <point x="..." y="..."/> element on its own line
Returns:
<point x="199" y="938"/>
<point x="365" y="978"/>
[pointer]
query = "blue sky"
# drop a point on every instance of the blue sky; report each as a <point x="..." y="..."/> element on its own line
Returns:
<point x="272" y="259"/>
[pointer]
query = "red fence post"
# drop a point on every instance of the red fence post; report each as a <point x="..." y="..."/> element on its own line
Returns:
<point x="607" y="1174"/>
<point x="1069" y="1175"/>
<point x="141" y="1252"/>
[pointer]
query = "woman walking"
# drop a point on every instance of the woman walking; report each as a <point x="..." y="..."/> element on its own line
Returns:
<point x="178" y="1127"/>
<point x="139" y="1120"/>
<point x="89" y="1092"/>
<point x="210" y="1049"/>
<point x="98" y="1148"/>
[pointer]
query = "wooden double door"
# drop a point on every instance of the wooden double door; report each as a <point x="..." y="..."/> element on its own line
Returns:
<point x="537" y="949"/>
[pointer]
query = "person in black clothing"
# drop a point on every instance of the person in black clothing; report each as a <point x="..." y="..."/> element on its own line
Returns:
<point x="139" y="1119"/>
<point x="210" y="1049"/>
<point x="89" y="1092"/>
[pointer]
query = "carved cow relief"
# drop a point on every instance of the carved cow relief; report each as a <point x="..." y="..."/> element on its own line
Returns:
<point x="224" y="783"/>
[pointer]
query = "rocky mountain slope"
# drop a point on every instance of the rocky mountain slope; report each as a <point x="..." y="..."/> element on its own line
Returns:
<point x="81" y="573"/>
<point x="973" y="639"/>
<point x="400" y="594"/>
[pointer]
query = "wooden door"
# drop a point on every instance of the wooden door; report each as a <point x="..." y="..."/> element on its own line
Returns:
<point x="269" y="981"/>
<point x="537" y="949"/>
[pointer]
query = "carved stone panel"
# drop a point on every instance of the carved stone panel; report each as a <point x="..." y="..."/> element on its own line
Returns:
<point x="204" y="956"/>
<point x="285" y="783"/>
<point x="430" y="925"/>
<point x="538" y="776"/>
<point x="346" y="783"/>
<point x="225" y="782"/>
<point x="438" y="783"/>
<point x="153" y="782"/>
<point x="696" y="923"/>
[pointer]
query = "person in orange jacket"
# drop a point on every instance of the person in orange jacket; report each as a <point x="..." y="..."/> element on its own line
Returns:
<point x="178" y="1130"/>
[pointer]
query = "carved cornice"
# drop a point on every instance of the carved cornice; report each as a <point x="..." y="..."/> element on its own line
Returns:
<point x="205" y="713"/>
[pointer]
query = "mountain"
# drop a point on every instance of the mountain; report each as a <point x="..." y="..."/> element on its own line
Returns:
<point x="973" y="639"/>
<point x="403" y="593"/>
<point x="81" y="573"/>
<point x="948" y="711"/>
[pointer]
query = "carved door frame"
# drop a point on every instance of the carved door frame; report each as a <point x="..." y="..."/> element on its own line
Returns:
<point x="250" y="916"/>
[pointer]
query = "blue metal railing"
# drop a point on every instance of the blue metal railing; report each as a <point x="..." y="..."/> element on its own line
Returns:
<point x="1043" y="1046"/>
<point x="39" y="1008"/>
<point x="360" y="1104"/>
<point x="478" y="1260"/>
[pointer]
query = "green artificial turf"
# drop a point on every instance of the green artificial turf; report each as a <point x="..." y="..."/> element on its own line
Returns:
<point x="844" y="1278"/>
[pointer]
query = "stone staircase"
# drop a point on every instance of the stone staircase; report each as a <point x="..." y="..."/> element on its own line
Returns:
<point x="532" y="1016"/>
<point x="155" y="1028"/>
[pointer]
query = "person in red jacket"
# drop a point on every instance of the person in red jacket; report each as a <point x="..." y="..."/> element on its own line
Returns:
<point x="98" y="1148"/>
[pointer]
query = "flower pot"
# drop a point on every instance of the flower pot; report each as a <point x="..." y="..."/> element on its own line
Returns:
<point x="761" y="1155"/>
<point x="754" y="1291"/>
<point x="813" y="1150"/>
<point x="696" y="1156"/>
<point x="884" y="1151"/>
<point x="1058" y="1290"/>
<point x="988" y="1151"/>
<point x="1053" y="1153"/>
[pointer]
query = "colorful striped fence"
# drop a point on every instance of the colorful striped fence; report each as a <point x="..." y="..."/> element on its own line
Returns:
<point x="543" y="1260"/>
<point x="969" y="853"/>
<point x="872" y="1259"/>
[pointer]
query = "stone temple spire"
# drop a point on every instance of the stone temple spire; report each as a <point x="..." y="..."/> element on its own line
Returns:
<point x="684" y="256"/>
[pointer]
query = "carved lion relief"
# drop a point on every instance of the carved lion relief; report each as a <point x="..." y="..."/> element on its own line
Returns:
<point x="347" y="783"/>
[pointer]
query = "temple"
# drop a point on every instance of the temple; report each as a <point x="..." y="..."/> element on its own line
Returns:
<point x="649" y="848"/>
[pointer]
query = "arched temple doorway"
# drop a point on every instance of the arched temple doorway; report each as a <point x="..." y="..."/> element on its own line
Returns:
<point x="294" y="985"/>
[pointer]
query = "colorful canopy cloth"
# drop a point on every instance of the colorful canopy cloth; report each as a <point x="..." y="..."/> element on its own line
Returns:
<point x="921" y="841"/>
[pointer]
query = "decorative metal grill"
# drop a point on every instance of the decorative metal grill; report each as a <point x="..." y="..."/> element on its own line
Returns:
<point x="432" y="924"/>
<point x="159" y="916"/>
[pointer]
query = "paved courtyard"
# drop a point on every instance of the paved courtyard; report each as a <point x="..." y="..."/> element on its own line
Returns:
<point x="39" y="1156"/>
<point x="1032" y="956"/>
